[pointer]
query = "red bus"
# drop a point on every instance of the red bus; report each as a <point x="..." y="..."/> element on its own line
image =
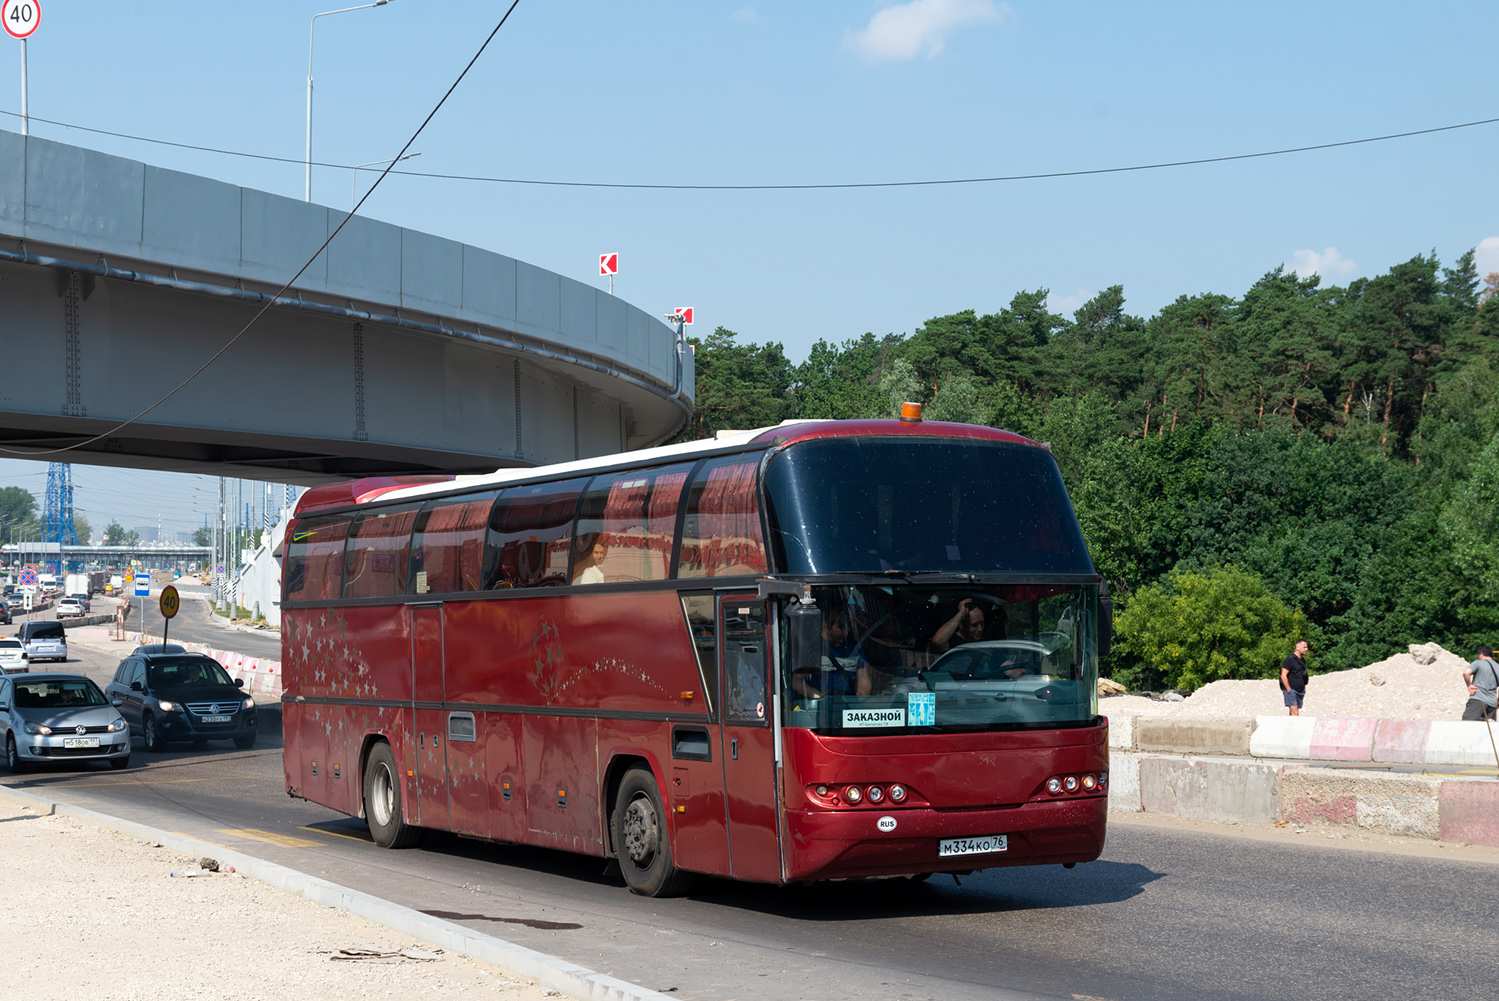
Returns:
<point x="823" y="650"/>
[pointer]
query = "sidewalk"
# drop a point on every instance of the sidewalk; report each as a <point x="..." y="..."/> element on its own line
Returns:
<point x="148" y="921"/>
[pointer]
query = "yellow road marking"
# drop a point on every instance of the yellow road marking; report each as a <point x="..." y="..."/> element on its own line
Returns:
<point x="339" y="834"/>
<point x="199" y="837"/>
<point x="270" y="838"/>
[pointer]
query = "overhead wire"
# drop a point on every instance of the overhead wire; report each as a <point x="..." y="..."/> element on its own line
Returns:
<point x="30" y="453"/>
<point x="807" y="186"/>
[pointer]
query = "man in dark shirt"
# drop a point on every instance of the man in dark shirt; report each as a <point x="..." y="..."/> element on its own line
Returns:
<point x="1293" y="678"/>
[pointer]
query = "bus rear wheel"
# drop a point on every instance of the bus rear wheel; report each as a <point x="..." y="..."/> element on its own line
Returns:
<point x="642" y="841"/>
<point x="382" y="801"/>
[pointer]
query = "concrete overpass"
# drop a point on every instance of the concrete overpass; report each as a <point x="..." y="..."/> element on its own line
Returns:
<point x="397" y="352"/>
<point x="162" y="555"/>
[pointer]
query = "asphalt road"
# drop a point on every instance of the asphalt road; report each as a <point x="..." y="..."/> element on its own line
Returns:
<point x="1163" y="915"/>
<point x="195" y="623"/>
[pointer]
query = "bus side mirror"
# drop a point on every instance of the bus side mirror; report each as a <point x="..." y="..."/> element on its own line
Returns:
<point x="1105" y="620"/>
<point x="804" y="636"/>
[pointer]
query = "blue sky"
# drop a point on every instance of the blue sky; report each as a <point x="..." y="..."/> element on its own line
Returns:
<point x="777" y="93"/>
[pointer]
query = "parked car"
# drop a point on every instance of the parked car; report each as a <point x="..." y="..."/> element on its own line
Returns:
<point x="69" y="608"/>
<point x="182" y="696"/>
<point x="44" y="640"/>
<point x="60" y="717"/>
<point x="13" y="659"/>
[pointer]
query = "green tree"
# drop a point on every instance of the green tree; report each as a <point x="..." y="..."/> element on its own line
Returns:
<point x="898" y="385"/>
<point x="1192" y="629"/>
<point x="83" y="528"/>
<point x="203" y="536"/>
<point x="739" y="386"/>
<point x="115" y="535"/>
<point x="959" y="400"/>
<point x="1471" y="520"/>
<point x="17" y="507"/>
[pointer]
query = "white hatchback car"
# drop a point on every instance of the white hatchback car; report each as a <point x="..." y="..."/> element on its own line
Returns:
<point x="67" y="607"/>
<point x="13" y="658"/>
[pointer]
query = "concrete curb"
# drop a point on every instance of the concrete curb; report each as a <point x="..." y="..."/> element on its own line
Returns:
<point x="1244" y="790"/>
<point x="1310" y="738"/>
<point x="558" y="974"/>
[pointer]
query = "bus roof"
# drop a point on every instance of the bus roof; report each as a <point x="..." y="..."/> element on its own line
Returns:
<point x="391" y="488"/>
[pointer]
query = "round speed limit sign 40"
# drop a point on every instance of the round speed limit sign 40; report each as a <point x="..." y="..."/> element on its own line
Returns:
<point x="20" y="17"/>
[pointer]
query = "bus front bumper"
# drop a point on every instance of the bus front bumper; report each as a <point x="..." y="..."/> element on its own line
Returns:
<point x="845" y="844"/>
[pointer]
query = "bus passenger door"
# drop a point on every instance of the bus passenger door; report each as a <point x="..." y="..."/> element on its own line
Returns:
<point x="748" y="748"/>
<point x="429" y="720"/>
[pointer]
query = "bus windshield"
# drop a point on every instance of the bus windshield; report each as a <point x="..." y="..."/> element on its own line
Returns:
<point x="956" y="505"/>
<point x="948" y="658"/>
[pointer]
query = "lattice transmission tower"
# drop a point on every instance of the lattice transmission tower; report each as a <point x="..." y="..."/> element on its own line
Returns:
<point x="57" y="510"/>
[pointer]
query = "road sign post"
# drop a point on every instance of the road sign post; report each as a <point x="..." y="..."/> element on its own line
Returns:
<point x="170" y="602"/>
<point x="609" y="265"/>
<point x="142" y="589"/>
<point x="21" y="19"/>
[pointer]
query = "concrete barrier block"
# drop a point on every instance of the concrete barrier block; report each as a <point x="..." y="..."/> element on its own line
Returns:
<point x="1194" y="736"/>
<point x="1460" y="742"/>
<point x="1401" y="740"/>
<point x="1244" y="792"/>
<point x="1469" y="810"/>
<point x="1124" y="782"/>
<point x="1405" y="805"/>
<point x="1342" y="739"/>
<point x="1122" y="733"/>
<point x="1282" y="736"/>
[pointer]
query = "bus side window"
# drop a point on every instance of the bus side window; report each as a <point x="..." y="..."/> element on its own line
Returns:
<point x="530" y="535"/>
<point x="314" y="558"/>
<point x="626" y="524"/>
<point x="721" y="534"/>
<point x="375" y="558"/>
<point x="702" y="626"/>
<point x="744" y="662"/>
<point x="447" y="546"/>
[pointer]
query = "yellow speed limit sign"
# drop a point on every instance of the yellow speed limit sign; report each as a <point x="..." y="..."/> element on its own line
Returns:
<point x="169" y="602"/>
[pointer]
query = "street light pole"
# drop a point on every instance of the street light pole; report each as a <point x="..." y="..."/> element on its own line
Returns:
<point x="311" y="31"/>
<point x="354" y="175"/>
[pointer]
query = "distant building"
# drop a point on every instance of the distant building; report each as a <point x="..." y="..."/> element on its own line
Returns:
<point x="147" y="533"/>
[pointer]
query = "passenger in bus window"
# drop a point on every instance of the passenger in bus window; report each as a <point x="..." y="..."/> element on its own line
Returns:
<point x="966" y="626"/>
<point x="845" y="670"/>
<point x="588" y="567"/>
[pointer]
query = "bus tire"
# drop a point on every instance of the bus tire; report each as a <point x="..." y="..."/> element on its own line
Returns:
<point x="642" y="841"/>
<point x="382" y="801"/>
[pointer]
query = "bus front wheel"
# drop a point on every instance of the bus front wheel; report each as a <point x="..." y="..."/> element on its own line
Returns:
<point x="382" y="801"/>
<point x="642" y="841"/>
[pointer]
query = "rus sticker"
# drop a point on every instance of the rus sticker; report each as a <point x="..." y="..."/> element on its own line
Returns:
<point x="922" y="707"/>
<point x="874" y="717"/>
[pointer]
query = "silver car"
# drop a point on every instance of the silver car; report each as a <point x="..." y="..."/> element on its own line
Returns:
<point x="59" y="717"/>
<point x="45" y="639"/>
<point x="13" y="657"/>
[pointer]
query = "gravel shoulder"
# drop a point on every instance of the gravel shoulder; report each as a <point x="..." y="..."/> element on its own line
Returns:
<point x="103" y="916"/>
<point x="1424" y="683"/>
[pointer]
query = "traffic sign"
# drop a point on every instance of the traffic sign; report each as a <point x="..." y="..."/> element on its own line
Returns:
<point x="608" y="264"/>
<point x="21" y="17"/>
<point x="220" y="570"/>
<point x="142" y="585"/>
<point x="28" y="578"/>
<point x="685" y="312"/>
<point x="169" y="602"/>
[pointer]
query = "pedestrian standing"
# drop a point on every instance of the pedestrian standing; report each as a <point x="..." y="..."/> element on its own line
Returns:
<point x="1293" y="678"/>
<point x="1482" y="679"/>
